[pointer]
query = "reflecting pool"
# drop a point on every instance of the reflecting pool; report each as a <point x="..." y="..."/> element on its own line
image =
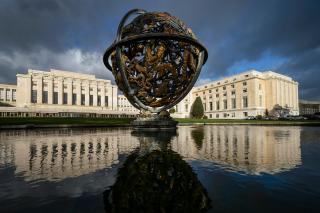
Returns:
<point x="233" y="168"/>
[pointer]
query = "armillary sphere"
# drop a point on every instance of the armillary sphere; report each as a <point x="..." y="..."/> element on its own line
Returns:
<point x="156" y="59"/>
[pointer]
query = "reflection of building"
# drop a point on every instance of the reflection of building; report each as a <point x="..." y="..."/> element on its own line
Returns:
<point x="246" y="94"/>
<point x="58" y="154"/>
<point x="309" y="107"/>
<point x="250" y="149"/>
<point x="124" y="104"/>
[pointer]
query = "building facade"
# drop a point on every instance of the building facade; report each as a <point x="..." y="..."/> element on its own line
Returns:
<point x="309" y="107"/>
<point x="8" y="95"/>
<point x="125" y="105"/>
<point x="250" y="93"/>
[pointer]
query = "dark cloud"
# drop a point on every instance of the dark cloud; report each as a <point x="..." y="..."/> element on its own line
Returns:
<point x="233" y="31"/>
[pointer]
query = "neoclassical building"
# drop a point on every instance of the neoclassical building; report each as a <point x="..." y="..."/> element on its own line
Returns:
<point x="250" y="93"/>
<point x="57" y="93"/>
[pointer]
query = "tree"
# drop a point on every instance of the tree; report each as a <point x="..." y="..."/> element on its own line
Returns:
<point x="172" y="110"/>
<point x="197" y="108"/>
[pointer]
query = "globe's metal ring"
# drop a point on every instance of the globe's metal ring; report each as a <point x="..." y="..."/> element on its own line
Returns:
<point x="152" y="36"/>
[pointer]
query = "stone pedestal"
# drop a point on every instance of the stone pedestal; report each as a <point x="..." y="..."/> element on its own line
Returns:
<point x="154" y="122"/>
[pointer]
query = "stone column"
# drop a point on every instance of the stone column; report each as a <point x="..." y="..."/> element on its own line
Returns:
<point x="87" y="92"/>
<point x="60" y="91"/>
<point x="78" y="92"/>
<point x="69" y="91"/>
<point x="50" y="90"/>
<point x="103" y="94"/>
<point x="39" y="89"/>
<point x="95" y="93"/>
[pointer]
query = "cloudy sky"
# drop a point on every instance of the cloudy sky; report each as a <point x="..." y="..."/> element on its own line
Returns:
<point x="279" y="35"/>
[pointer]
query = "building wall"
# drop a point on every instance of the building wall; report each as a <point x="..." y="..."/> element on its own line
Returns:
<point x="246" y="94"/>
<point x="8" y="94"/>
<point x="65" y="90"/>
<point x="125" y="105"/>
<point x="309" y="107"/>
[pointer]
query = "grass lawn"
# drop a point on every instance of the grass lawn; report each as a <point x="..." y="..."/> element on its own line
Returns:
<point x="82" y="121"/>
<point x="260" y="122"/>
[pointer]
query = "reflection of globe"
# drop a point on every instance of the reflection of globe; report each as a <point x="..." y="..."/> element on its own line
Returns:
<point x="155" y="59"/>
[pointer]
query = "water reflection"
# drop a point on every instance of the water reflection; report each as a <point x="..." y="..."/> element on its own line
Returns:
<point x="56" y="155"/>
<point x="156" y="179"/>
<point x="249" y="149"/>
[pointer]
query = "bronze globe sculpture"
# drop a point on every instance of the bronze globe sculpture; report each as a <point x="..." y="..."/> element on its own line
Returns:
<point x="156" y="59"/>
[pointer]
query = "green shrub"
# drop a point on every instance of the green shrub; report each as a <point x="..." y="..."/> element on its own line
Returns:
<point x="172" y="110"/>
<point x="197" y="108"/>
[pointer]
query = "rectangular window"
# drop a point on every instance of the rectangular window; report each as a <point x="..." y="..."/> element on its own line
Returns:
<point x="204" y="106"/>
<point x="224" y="88"/>
<point x="65" y="98"/>
<point x="34" y="96"/>
<point x="245" y="101"/>
<point x="244" y="83"/>
<point x="210" y="115"/>
<point x="233" y="103"/>
<point x="1" y="94"/>
<point x="244" y="90"/>
<point x="106" y="101"/>
<point x="83" y="99"/>
<point x="217" y="90"/>
<point x="74" y="99"/>
<point x="8" y="94"/>
<point x="210" y="103"/>
<point x="232" y="85"/>
<point x="186" y="108"/>
<point x="233" y="92"/>
<point x="225" y="94"/>
<point x="45" y="97"/>
<point x="260" y="100"/>
<point x="210" y="91"/>
<point x="225" y="115"/>
<point x="225" y="104"/>
<point x="217" y="115"/>
<point x="218" y="105"/>
<point x="217" y="95"/>
<point x="259" y="86"/>
<point x="14" y="95"/>
<point x="245" y="114"/>
<point x="55" y="97"/>
<point x="99" y="100"/>
<point x="91" y="100"/>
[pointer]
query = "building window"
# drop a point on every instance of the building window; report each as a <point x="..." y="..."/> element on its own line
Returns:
<point x="225" y="104"/>
<point x="55" y="97"/>
<point x="91" y="100"/>
<point x="210" y="91"/>
<point x="233" y="103"/>
<point x="83" y="99"/>
<point x="233" y="92"/>
<point x="203" y="92"/>
<point x="225" y="94"/>
<point x="204" y="107"/>
<point x="14" y="95"/>
<point x="224" y="88"/>
<point x="232" y="85"/>
<point x="99" y="100"/>
<point x="45" y="97"/>
<point x="259" y="86"/>
<point x="65" y="98"/>
<point x="8" y="94"/>
<point x="34" y="96"/>
<point x="74" y="99"/>
<point x="210" y="104"/>
<point x="225" y="115"/>
<point x="1" y="94"/>
<point x="218" y="105"/>
<point x="186" y="108"/>
<point x="217" y="90"/>
<point x="244" y="83"/>
<point x="244" y="90"/>
<point x="245" y="101"/>
<point x="210" y="115"/>
<point x="260" y="100"/>
<point x="245" y="114"/>
<point x="217" y="95"/>
<point x="217" y="115"/>
<point x="106" y="101"/>
<point x="233" y="115"/>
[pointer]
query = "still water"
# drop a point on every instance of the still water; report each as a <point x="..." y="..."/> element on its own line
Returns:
<point x="195" y="169"/>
